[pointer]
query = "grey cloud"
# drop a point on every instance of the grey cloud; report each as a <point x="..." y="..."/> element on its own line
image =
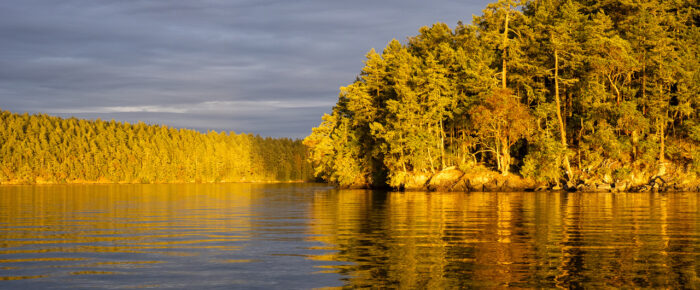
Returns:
<point x="267" y="67"/>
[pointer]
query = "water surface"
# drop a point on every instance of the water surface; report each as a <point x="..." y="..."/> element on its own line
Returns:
<point x="289" y="236"/>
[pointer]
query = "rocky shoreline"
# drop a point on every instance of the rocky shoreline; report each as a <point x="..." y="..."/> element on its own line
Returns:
<point x="485" y="180"/>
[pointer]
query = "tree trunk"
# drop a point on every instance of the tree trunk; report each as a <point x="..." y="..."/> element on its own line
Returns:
<point x="430" y="158"/>
<point x="442" y="145"/>
<point x="403" y="158"/>
<point x="580" y="140"/>
<point x="499" y="164"/>
<point x="505" y="162"/>
<point x="562" y="128"/>
<point x="453" y="148"/>
<point x="505" y="51"/>
<point x="463" y="148"/>
<point x="635" y="141"/>
<point x="662" y="157"/>
<point x="644" y="84"/>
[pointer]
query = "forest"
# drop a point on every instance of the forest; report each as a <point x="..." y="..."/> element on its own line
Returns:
<point x="573" y="94"/>
<point x="46" y="149"/>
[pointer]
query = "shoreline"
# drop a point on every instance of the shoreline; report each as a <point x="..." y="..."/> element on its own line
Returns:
<point x="450" y="180"/>
<point x="484" y="180"/>
<point x="144" y="183"/>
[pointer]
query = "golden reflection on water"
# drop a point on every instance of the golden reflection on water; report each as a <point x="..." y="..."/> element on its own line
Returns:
<point x="568" y="240"/>
<point x="50" y="227"/>
<point x="304" y="236"/>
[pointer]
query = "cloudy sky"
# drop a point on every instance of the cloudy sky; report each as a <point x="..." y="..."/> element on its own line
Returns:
<point x="260" y="66"/>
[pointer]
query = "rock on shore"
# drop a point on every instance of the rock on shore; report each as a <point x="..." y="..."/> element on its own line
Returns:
<point x="482" y="179"/>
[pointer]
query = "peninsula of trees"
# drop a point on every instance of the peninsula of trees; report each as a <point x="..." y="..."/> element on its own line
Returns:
<point x="45" y="149"/>
<point x="578" y="94"/>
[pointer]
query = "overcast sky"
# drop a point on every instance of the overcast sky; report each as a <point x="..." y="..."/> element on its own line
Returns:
<point x="266" y="67"/>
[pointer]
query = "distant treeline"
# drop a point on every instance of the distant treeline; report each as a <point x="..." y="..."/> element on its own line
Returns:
<point x="45" y="149"/>
<point x="555" y="90"/>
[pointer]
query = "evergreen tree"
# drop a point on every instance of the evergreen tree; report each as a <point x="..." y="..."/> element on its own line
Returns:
<point x="581" y="89"/>
<point x="46" y="149"/>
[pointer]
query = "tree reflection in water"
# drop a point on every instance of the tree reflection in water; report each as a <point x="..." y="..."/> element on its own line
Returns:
<point x="570" y="240"/>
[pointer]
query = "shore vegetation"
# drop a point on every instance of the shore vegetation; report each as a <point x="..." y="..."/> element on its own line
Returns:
<point x="46" y="149"/>
<point x="575" y="94"/>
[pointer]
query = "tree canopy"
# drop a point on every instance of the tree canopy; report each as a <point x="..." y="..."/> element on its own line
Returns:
<point x="554" y="90"/>
<point x="45" y="149"/>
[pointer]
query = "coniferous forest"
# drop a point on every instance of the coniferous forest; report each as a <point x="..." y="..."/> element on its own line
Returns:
<point x="45" y="149"/>
<point x="577" y="94"/>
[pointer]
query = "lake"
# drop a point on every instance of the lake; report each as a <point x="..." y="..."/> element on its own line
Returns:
<point x="289" y="236"/>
